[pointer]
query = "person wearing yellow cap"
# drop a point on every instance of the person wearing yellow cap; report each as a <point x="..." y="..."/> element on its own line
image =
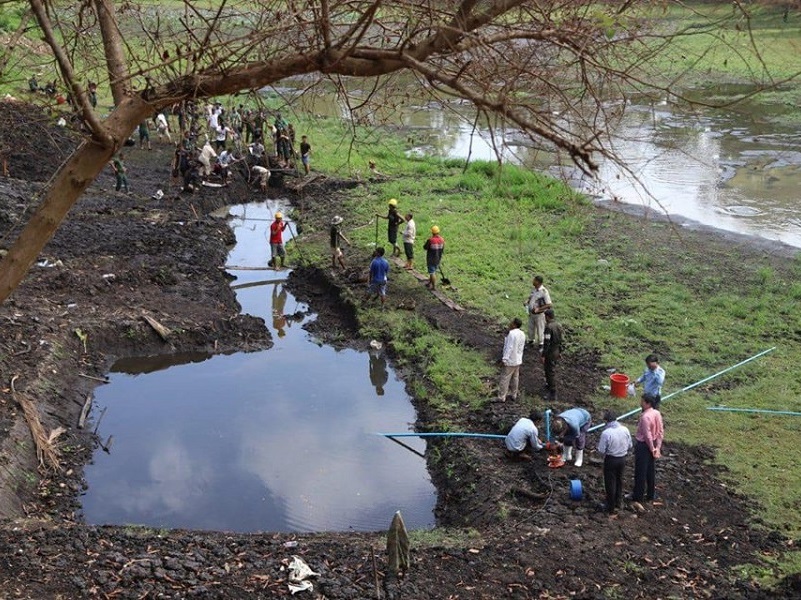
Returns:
<point x="394" y="219"/>
<point x="434" y="247"/>
<point x="277" y="250"/>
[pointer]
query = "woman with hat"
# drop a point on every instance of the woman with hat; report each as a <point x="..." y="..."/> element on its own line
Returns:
<point x="336" y="235"/>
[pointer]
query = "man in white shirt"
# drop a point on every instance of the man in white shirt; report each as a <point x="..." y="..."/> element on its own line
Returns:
<point x="524" y="435"/>
<point x="162" y="127"/>
<point x="512" y="358"/>
<point x="409" y="234"/>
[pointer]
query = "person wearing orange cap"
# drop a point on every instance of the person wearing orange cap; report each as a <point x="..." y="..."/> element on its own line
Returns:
<point x="394" y="219"/>
<point x="434" y="248"/>
<point x="277" y="250"/>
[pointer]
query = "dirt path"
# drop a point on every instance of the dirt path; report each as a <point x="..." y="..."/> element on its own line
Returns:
<point x="513" y="531"/>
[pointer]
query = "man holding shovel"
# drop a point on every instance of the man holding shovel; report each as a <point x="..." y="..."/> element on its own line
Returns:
<point x="434" y="248"/>
<point x="277" y="251"/>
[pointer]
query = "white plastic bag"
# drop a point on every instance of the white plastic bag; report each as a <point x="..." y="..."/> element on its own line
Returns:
<point x="630" y="390"/>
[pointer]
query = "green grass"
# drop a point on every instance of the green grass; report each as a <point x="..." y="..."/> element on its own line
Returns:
<point x="717" y="44"/>
<point x="619" y="291"/>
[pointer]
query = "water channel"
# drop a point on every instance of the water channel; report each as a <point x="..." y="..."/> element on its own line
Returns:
<point x="278" y="440"/>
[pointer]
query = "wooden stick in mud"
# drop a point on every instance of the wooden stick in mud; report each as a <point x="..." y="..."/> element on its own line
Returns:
<point x="85" y="411"/>
<point x="242" y="268"/>
<point x="100" y="379"/>
<point x="375" y="574"/>
<point x="164" y="332"/>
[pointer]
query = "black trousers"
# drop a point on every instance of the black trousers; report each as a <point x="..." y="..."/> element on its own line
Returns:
<point x="549" y="366"/>
<point x="614" y="467"/>
<point x="644" y="472"/>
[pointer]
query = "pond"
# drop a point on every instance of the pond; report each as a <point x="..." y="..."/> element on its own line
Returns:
<point x="278" y="440"/>
<point x="731" y="169"/>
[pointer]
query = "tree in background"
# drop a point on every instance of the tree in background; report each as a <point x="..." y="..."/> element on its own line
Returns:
<point x="559" y="70"/>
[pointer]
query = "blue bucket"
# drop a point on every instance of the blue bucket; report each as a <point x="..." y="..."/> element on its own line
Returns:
<point x="575" y="489"/>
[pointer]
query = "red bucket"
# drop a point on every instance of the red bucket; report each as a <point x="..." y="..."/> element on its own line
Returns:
<point x="620" y="384"/>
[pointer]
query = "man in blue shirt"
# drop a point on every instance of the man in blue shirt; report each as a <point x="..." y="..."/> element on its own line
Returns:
<point x="570" y="428"/>
<point x="652" y="379"/>
<point x="379" y="270"/>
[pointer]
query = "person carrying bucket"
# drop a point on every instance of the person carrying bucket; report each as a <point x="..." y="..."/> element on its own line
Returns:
<point x="570" y="428"/>
<point x="652" y="379"/>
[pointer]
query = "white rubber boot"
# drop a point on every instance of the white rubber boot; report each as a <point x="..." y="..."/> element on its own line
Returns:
<point x="566" y="453"/>
<point x="579" y="458"/>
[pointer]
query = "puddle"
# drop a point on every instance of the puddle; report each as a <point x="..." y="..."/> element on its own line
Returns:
<point x="278" y="440"/>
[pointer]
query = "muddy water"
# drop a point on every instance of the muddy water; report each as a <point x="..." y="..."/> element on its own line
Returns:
<point x="734" y="170"/>
<point x="279" y="440"/>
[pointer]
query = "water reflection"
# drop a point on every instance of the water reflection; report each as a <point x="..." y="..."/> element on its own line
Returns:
<point x="378" y="370"/>
<point x="280" y="440"/>
<point x="279" y="306"/>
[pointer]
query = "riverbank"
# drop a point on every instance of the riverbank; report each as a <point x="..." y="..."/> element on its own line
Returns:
<point x="508" y="528"/>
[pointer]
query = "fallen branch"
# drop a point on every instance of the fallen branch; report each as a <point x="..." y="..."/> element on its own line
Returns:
<point x="100" y="379"/>
<point x="164" y="332"/>
<point x="46" y="449"/>
<point x="85" y="411"/>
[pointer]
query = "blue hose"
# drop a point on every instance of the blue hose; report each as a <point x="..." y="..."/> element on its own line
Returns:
<point x="757" y="410"/>
<point x="691" y="386"/>
<point x="445" y="434"/>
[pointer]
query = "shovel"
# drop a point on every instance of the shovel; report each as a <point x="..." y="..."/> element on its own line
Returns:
<point x="445" y="280"/>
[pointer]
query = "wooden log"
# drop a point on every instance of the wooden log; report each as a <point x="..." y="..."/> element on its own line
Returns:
<point x="85" y="411"/>
<point x="164" y="332"/>
<point x="422" y="277"/>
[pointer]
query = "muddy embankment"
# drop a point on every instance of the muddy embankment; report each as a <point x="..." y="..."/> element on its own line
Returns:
<point x="121" y="257"/>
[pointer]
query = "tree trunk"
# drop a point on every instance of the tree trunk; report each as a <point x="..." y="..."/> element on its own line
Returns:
<point x="114" y="51"/>
<point x="71" y="180"/>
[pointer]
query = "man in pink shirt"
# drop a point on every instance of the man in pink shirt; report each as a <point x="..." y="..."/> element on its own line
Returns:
<point x="647" y="448"/>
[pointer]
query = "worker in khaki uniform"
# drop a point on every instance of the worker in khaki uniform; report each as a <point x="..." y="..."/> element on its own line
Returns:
<point x="538" y="302"/>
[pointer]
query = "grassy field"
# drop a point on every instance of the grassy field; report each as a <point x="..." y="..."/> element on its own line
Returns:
<point x="623" y="287"/>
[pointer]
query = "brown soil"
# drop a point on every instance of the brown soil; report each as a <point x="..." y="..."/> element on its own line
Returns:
<point x="509" y="528"/>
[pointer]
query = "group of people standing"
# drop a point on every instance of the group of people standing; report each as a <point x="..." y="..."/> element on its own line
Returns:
<point x="379" y="265"/>
<point x="571" y="427"/>
<point x="544" y="332"/>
